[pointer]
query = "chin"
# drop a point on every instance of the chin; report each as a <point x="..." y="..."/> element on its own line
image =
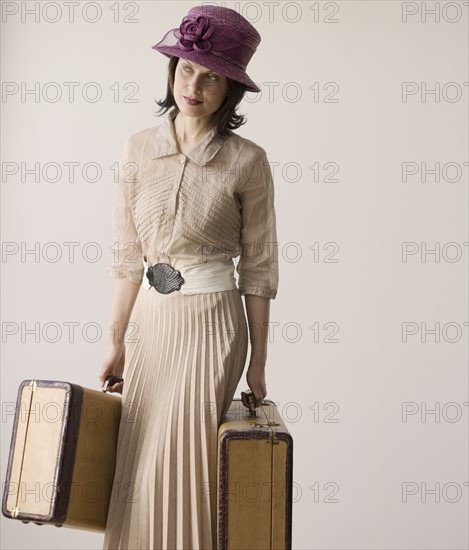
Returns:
<point x="190" y="114"/>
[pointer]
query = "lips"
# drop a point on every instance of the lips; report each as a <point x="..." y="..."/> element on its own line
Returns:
<point x="192" y="101"/>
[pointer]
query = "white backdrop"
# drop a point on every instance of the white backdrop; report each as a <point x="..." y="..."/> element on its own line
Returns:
<point x="363" y="114"/>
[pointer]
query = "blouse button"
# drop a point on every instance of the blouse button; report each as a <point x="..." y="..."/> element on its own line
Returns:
<point x="183" y="160"/>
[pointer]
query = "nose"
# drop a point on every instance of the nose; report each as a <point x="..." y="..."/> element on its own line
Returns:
<point x="194" y="84"/>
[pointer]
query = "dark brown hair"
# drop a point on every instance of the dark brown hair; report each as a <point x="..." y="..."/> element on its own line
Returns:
<point x="225" y="118"/>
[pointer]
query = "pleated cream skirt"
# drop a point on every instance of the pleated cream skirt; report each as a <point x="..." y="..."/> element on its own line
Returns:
<point x="185" y="355"/>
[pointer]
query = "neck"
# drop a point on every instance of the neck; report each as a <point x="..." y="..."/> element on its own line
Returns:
<point x="190" y="129"/>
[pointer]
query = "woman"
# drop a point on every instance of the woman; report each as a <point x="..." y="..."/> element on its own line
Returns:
<point x="191" y="196"/>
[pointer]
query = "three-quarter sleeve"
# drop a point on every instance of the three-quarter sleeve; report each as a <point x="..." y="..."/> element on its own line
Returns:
<point x="127" y="256"/>
<point x="258" y="264"/>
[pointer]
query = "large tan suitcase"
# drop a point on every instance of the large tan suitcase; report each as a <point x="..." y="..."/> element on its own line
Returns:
<point x="255" y="469"/>
<point x="62" y="455"/>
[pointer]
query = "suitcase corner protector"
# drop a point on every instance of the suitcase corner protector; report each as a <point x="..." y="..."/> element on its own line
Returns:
<point x="6" y="512"/>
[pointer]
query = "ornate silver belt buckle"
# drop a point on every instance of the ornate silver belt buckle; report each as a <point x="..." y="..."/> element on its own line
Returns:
<point x="164" y="278"/>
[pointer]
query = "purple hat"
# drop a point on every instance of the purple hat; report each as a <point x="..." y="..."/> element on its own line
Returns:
<point x="217" y="38"/>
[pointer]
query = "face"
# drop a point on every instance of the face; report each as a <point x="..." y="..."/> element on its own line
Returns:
<point x="205" y="87"/>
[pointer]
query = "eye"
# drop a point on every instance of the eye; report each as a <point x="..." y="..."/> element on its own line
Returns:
<point x="212" y="76"/>
<point x="186" y="68"/>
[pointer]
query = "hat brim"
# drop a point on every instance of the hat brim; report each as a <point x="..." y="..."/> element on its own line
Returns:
<point x="211" y="62"/>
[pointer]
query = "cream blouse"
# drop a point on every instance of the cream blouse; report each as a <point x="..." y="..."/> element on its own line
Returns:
<point x="215" y="203"/>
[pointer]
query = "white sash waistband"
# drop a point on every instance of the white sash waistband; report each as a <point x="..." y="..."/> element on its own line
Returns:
<point x="208" y="277"/>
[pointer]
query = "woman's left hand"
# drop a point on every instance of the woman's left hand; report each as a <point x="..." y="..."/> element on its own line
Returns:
<point x="256" y="381"/>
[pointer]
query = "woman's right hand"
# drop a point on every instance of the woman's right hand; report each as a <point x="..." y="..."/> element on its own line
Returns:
<point x="113" y="363"/>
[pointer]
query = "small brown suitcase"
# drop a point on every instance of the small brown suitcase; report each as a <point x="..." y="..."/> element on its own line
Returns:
<point x="255" y="469"/>
<point x="62" y="455"/>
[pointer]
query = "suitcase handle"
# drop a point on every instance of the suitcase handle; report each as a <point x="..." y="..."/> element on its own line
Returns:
<point x="110" y="381"/>
<point x="249" y="401"/>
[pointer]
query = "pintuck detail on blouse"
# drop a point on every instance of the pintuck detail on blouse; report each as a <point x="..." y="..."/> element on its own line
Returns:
<point x="214" y="203"/>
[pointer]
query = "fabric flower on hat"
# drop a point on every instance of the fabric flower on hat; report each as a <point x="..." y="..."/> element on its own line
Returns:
<point x="194" y="33"/>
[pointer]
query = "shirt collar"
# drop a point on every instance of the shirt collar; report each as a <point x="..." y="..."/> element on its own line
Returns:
<point x="166" y="143"/>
